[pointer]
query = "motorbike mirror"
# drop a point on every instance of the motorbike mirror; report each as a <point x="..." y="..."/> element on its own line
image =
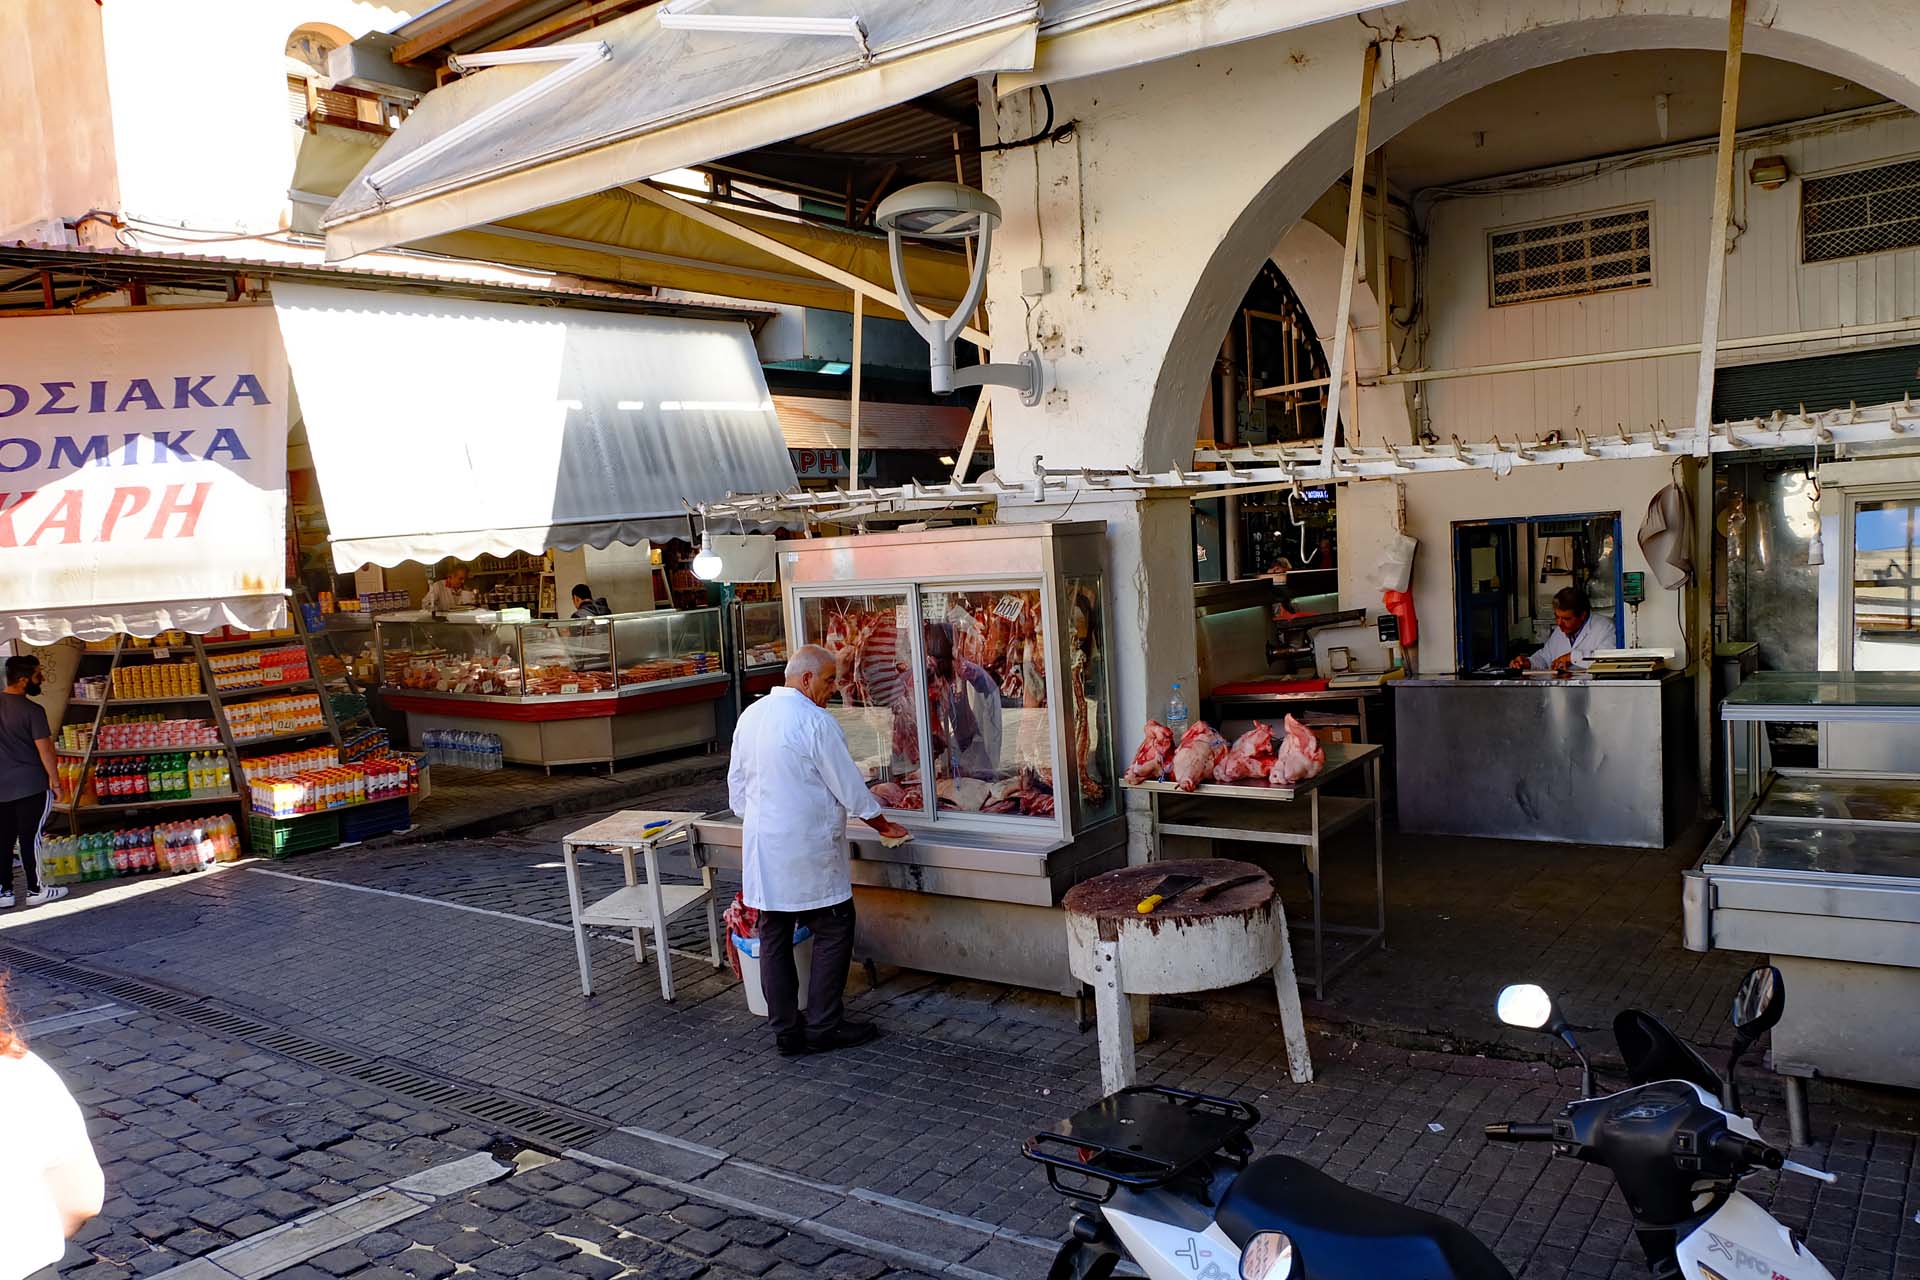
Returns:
<point x="1530" y="1008"/>
<point x="1268" y="1256"/>
<point x="1759" y="1002"/>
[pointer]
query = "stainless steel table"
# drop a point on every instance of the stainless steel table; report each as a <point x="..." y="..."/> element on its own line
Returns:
<point x="1264" y="706"/>
<point x="1299" y="815"/>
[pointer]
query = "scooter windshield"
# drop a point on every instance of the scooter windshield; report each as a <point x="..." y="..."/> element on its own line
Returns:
<point x="1653" y="1052"/>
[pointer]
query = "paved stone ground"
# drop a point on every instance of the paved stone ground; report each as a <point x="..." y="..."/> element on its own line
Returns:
<point x="397" y="952"/>
<point x="206" y="1142"/>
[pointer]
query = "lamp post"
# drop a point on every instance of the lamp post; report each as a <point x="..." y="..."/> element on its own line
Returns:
<point x="948" y="211"/>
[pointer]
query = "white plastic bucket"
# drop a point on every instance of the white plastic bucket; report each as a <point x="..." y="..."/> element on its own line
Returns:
<point x="748" y="949"/>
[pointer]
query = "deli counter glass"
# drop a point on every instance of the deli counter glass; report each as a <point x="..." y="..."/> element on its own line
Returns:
<point x="591" y="690"/>
<point x="760" y="646"/>
<point x="973" y="694"/>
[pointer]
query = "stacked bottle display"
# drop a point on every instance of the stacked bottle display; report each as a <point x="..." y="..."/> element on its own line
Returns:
<point x="191" y="844"/>
<point x="462" y="749"/>
<point x="161" y="775"/>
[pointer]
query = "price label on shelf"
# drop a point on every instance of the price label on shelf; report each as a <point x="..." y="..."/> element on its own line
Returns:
<point x="161" y="655"/>
<point x="569" y="688"/>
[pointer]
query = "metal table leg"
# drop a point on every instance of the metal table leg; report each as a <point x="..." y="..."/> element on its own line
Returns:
<point x="1313" y="877"/>
<point x="659" y="913"/>
<point x="1796" y="1110"/>
<point x="576" y="906"/>
<point x="1379" y="856"/>
<point x="626" y="860"/>
<point x="713" y="919"/>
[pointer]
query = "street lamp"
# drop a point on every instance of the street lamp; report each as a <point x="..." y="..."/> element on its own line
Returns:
<point x="947" y="211"/>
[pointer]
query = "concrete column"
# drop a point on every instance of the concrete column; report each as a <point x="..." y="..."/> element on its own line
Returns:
<point x="1149" y="586"/>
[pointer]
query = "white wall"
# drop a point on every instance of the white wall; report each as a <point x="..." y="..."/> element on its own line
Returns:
<point x="1768" y="290"/>
<point x="1436" y="502"/>
<point x="201" y="127"/>
<point x="1180" y="176"/>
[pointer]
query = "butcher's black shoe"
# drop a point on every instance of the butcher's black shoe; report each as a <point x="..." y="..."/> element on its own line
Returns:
<point x="793" y="1044"/>
<point x="844" y="1036"/>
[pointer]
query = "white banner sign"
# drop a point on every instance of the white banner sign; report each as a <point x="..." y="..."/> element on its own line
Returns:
<point x="143" y="459"/>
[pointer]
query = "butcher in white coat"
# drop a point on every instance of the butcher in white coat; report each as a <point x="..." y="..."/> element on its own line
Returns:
<point x="793" y="782"/>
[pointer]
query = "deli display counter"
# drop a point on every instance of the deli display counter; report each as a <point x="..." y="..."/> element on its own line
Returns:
<point x="973" y="693"/>
<point x="586" y="691"/>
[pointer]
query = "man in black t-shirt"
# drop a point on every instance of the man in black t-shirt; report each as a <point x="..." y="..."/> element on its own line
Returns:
<point x="28" y="776"/>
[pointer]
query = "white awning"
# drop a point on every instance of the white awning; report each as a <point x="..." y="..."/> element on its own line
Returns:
<point x="1081" y="38"/>
<point x="142" y="473"/>
<point x="448" y="428"/>
<point x="635" y="98"/>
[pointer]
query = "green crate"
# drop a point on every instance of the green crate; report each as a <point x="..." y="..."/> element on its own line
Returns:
<point x="284" y="837"/>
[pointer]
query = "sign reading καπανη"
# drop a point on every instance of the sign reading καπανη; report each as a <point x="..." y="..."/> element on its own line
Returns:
<point x="143" y="460"/>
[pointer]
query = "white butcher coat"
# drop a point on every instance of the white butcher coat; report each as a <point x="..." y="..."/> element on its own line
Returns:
<point x="1596" y="634"/>
<point x="793" y="782"/>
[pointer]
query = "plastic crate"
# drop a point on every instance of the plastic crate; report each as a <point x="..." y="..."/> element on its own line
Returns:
<point x="364" y="821"/>
<point x="284" y="837"/>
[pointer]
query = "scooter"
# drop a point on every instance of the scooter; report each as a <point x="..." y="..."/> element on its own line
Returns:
<point x="1166" y="1177"/>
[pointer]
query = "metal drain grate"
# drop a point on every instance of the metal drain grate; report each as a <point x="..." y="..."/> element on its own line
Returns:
<point x="535" y="1123"/>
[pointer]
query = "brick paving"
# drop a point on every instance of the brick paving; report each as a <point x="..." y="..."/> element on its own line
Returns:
<point x="934" y="1111"/>
<point x="206" y="1142"/>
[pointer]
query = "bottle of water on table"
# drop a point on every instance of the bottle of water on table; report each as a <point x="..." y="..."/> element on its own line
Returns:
<point x="1177" y="712"/>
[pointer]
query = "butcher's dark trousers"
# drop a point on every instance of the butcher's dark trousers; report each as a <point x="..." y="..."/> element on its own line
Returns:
<point x="780" y="980"/>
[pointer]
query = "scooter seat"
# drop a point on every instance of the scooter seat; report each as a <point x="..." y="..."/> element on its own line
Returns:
<point x="1340" y="1233"/>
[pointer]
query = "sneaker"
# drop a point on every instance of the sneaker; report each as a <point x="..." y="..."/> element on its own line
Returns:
<point x="6" y="901"/>
<point x="793" y="1045"/>
<point x="52" y="893"/>
<point x="844" y="1036"/>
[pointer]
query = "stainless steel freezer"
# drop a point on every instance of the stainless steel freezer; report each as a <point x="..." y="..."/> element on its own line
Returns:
<point x="1820" y="869"/>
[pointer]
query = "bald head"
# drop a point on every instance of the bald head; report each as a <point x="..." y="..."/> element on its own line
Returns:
<point x="811" y="670"/>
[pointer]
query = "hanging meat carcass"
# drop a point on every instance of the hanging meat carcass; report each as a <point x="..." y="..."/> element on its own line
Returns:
<point x="1155" y="756"/>
<point x="1250" y="757"/>
<point x="1193" y="759"/>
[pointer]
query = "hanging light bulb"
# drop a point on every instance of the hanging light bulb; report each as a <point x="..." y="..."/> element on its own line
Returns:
<point x="707" y="564"/>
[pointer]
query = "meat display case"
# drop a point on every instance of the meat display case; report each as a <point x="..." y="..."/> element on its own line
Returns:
<point x="975" y="657"/>
<point x="585" y="691"/>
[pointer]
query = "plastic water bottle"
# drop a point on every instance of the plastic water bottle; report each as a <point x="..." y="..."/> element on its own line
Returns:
<point x="1177" y="713"/>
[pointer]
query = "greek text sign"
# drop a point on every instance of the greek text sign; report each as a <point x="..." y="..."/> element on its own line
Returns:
<point x="142" y="464"/>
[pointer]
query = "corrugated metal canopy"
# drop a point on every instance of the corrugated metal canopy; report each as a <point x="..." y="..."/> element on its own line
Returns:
<point x="663" y="98"/>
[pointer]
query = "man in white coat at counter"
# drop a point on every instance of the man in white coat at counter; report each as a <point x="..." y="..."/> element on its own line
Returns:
<point x="1577" y="635"/>
<point x="793" y="782"/>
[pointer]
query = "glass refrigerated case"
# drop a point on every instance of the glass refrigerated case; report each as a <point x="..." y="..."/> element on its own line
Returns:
<point x="603" y="688"/>
<point x="973" y="695"/>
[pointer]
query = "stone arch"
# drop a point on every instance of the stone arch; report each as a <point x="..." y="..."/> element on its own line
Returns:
<point x="1283" y="200"/>
<point x="1309" y="257"/>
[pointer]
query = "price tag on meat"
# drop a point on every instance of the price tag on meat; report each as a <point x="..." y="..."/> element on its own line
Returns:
<point x="569" y="688"/>
<point x="1010" y="608"/>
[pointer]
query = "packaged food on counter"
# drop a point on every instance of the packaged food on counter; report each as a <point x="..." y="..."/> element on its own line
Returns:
<point x="339" y="787"/>
<point x="156" y="680"/>
<point x="267" y="717"/>
<point x="258" y="668"/>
